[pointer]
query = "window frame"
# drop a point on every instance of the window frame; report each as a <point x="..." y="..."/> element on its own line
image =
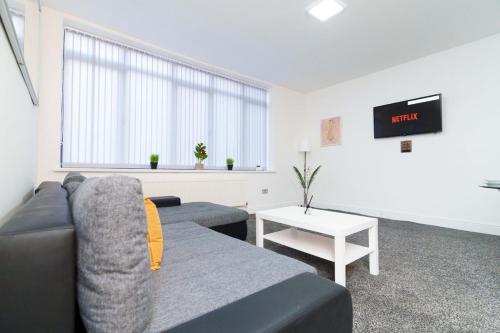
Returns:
<point x="161" y="54"/>
<point x="20" y="14"/>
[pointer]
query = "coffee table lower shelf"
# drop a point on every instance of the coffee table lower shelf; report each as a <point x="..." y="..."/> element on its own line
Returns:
<point x="317" y="245"/>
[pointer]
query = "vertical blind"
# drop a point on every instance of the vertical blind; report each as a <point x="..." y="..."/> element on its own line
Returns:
<point x="121" y="104"/>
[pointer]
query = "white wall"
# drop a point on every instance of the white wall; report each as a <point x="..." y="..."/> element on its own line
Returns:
<point x="18" y="119"/>
<point x="439" y="182"/>
<point x="286" y="109"/>
<point x="436" y="184"/>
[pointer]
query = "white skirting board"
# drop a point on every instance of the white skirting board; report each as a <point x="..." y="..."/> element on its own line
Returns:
<point x="421" y="219"/>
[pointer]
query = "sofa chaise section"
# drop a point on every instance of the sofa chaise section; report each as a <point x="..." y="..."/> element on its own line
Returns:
<point x="204" y="270"/>
<point x="227" y="220"/>
<point x="304" y="303"/>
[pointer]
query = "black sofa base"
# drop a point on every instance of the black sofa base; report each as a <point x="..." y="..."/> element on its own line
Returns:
<point x="237" y="230"/>
<point x="305" y="303"/>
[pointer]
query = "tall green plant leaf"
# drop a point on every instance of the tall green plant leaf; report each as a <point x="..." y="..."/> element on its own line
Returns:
<point x="312" y="176"/>
<point x="301" y="178"/>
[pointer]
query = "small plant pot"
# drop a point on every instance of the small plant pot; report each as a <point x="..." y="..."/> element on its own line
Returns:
<point x="259" y="168"/>
<point x="230" y="167"/>
<point x="154" y="165"/>
<point x="199" y="166"/>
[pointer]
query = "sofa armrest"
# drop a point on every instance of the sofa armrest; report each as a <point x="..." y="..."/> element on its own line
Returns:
<point x="168" y="201"/>
<point x="304" y="303"/>
<point x="48" y="185"/>
<point x="38" y="265"/>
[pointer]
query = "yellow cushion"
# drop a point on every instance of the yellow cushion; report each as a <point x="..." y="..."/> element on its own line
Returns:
<point x="155" y="236"/>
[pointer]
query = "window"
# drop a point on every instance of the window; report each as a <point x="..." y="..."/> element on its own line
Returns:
<point x="121" y="104"/>
<point x="18" y="21"/>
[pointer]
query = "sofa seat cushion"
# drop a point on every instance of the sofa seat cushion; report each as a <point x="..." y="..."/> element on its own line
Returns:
<point x="204" y="270"/>
<point x="206" y="214"/>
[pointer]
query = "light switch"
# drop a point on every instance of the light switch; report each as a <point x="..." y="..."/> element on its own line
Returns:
<point x="406" y="146"/>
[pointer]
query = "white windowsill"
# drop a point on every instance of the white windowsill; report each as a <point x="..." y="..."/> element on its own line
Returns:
<point x="97" y="170"/>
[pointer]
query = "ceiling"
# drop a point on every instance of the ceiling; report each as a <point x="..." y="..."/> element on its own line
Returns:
<point x="277" y="41"/>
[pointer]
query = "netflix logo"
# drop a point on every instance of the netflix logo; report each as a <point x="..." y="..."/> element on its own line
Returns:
<point x="404" y="117"/>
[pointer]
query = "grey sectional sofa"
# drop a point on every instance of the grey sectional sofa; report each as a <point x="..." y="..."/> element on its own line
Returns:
<point x="208" y="282"/>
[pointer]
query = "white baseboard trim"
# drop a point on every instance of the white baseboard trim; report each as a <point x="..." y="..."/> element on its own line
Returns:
<point x="253" y="209"/>
<point x="444" y="222"/>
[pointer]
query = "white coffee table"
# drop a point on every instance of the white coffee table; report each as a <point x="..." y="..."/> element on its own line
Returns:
<point x="303" y="235"/>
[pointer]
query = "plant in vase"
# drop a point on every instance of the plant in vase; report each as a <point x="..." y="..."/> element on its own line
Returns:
<point x="200" y="152"/>
<point x="305" y="181"/>
<point x="153" y="160"/>
<point x="229" y="163"/>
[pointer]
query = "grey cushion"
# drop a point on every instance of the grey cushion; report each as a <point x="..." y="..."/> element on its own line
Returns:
<point x="73" y="176"/>
<point x="72" y="181"/>
<point x="203" y="270"/>
<point x="206" y="214"/>
<point x="114" y="290"/>
<point x="71" y="187"/>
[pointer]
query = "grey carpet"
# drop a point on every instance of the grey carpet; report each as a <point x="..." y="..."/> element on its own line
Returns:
<point x="431" y="279"/>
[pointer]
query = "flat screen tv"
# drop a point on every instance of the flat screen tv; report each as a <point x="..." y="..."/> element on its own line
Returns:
<point x="414" y="116"/>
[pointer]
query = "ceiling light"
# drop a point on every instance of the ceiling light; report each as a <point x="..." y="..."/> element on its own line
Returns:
<point x="325" y="9"/>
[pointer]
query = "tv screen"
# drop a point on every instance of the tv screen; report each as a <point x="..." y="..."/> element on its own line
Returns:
<point x="415" y="116"/>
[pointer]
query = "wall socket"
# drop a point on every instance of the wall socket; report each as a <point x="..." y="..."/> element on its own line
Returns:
<point x="265" y="191"/>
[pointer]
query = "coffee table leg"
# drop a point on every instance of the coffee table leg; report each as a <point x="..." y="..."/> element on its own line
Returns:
<point x="373" y="246"/>
<point x="259" y="232"/>
<point x="340" y="260"/>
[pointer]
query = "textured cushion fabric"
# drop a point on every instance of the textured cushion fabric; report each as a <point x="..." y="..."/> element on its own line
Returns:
<point x="114" y="278"/>
<point x="155" y="237"/>
<point x="71" y="187"/>
<point x="73" y="176"/>
<point x="72" y="181"/>
<point x="206" y="214"/>
<point x="204" y="270"/>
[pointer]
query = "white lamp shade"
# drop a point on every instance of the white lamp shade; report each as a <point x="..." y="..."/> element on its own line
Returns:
<point x="305" y="146"/>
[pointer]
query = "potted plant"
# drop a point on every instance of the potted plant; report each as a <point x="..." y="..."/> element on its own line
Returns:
<point x="305" y="181"/>
<point x="153" y="160"/>
<point x="200" y="152"/>
<point x="229" y="163"/>
<point x="259" y="168"/>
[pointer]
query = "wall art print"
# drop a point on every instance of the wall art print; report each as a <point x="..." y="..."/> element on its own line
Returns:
<point x="331" y="134"/>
